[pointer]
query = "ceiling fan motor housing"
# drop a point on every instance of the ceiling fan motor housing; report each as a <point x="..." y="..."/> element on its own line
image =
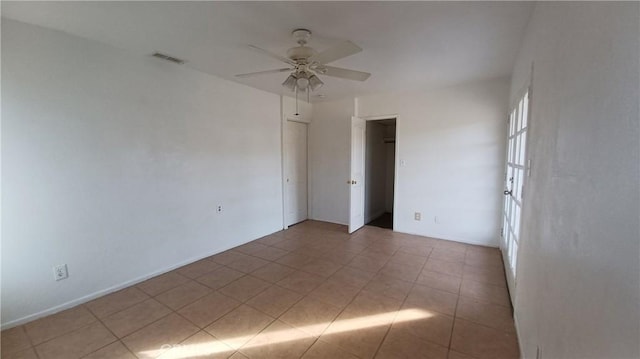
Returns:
<point x="301" y="36"/>
<point x="300" y="53"/>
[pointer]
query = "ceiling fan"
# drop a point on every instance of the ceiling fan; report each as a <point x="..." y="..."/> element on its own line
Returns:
<point x="306" y="63"/>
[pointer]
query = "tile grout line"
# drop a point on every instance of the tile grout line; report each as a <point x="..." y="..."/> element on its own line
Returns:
<point x="403" y="302"/>
<point x="243" y="303"/>
<point x="361" y="289"/>
<point x="455" y="312"/>
<point x="303" y="297"/>
<point x="110" y="331"/>
<point x="97" y="320"/>
<point x="206" y="332"/>
<point x="63" y="334"/>
<point x="335" y="241"/>
<point x="146" y="326"/>
<point x="32" y="346"/>
<point x="120" y="310"/>
<point x="163" y="291"/>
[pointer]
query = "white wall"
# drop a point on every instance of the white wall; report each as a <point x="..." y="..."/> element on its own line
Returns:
<point x="329" y="158"/>
<point x="578" y="290"/>
<point x="452" y="142"/>
<point x="114" y="164"/>
<point x="375" y="172"/>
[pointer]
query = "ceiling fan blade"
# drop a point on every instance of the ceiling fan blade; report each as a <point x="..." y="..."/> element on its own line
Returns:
<point x="339" y="51"/>
<point x="275" y="56"/>
<point x="263" y="72"/>
<point x="345" y="73"/>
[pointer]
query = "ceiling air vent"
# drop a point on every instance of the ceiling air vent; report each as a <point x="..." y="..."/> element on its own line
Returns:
<point x="168" y="58"/>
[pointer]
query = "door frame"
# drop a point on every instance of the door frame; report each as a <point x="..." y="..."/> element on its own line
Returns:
<point x="512" y="277"/>
<point x="396" y="162"/>
<point x="285" y="120"/>
<point x="354" y="226"/>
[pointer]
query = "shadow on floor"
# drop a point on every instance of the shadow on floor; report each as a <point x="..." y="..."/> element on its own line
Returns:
<point x="384" y="221"/>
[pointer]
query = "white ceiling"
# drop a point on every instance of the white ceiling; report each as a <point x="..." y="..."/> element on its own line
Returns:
<point x="407" y="46"/>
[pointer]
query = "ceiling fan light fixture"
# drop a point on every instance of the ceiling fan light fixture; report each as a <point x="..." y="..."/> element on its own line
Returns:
<point x="290" y="83"/>
<point x="315" y="83"/>
<point x="302" y="83"/>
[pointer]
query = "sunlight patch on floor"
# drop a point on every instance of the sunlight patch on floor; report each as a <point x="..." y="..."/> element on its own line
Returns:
<point x="179" y="351"/>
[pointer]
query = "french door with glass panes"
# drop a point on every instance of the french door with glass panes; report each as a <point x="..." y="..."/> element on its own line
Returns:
<point x="515" y="172"/>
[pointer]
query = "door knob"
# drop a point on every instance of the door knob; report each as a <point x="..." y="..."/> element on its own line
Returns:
<point x="508" y="192"/>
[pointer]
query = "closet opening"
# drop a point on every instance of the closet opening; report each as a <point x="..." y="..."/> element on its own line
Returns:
<point x="380" y="166"/>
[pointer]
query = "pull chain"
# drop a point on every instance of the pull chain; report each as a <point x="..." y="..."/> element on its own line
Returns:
<point x="297" y="114"/>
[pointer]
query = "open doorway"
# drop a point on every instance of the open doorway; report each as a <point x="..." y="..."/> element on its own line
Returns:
<point x="380" y="155"/>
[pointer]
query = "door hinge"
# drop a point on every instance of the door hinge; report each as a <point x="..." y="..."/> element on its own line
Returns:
<point x="502" y="232"/>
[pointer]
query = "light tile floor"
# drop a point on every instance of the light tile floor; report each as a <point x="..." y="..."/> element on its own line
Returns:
<point x="311" y="291"/>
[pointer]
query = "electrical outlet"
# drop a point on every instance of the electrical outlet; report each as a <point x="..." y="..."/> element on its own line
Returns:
<point x="60" y="272"/>
<point x="417" y="216"/>
<point x="219" y="209"/>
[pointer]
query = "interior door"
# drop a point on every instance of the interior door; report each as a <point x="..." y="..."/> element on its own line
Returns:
<point x="356" y="182"/>
<point x="515" y="174"/>
<point x="295" y="172"/>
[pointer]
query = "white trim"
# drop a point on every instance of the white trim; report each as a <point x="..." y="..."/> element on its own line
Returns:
<point x="283" y="120"/>
<point x="509" y="275"/>
<point x="381" y="117"/>
<point x="299" y="119"/>
<point x="364" y="175"/>
<point x="283" y="125"/>
<point x="475" y="243"/>
<point x="512" y="275"/>
<point x="396" y="160"/>
<point x="349" y="211"/>
<point x="518" y="336"/>
<point x="396" y="173"/>
<point x="282" y="174"/>
<point x="328" y="221"/>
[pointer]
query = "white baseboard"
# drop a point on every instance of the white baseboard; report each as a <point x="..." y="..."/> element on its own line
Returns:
<point x="475" y="243"/>
<point x="515" y="322"/>
<point x="328" y="221"/>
